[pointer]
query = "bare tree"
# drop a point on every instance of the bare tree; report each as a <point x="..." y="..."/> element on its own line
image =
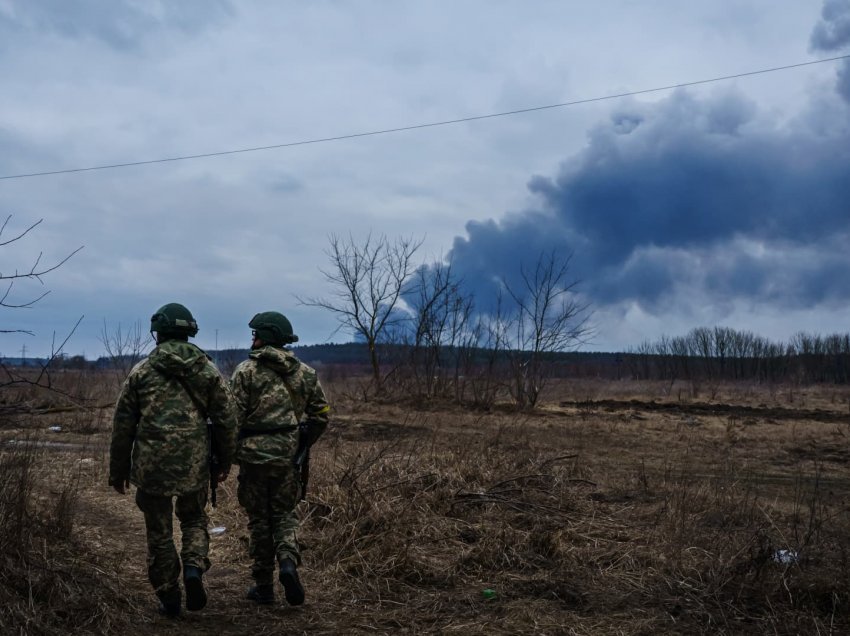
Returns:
<point x="548" y="319"/>
<point x="124" y="347"/>
<point x="489" y="343"/>
<point x="441" y="332"/>
<point x="368" y="279"/>
<point x="8" y="279"/>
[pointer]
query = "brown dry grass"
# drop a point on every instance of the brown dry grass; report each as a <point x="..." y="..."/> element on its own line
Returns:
<point x="616" y="508"/>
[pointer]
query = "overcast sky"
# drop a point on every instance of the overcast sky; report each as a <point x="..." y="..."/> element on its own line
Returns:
<point x="721" y="204"/>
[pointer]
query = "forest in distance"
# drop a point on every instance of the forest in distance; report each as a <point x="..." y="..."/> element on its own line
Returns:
<point x="704" y="352"/>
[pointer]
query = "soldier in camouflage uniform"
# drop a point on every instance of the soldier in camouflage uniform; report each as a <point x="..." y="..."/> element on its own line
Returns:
<point x="160" y="445"/>
<point x="273" y="391"/>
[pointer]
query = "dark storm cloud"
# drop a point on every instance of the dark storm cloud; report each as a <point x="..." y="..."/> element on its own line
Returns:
<point x="832" y="34"/>
<point x="687" y="193"/>
<point x="690" y="175"/>
<point x="119" y="23"/>
<point x="833" y="30"/>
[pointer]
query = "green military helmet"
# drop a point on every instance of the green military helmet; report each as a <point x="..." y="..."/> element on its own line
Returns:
<point x="273" y="328"/>
<point x="174" y="319"/>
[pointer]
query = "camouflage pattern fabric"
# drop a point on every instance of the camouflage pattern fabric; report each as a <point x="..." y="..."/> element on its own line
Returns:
<point x="159" y="435"/>
<point x="163" y="564"/>
<point x="273" y="390"/>
<point x="269" y="495"/>
<point x="264" y="402"/>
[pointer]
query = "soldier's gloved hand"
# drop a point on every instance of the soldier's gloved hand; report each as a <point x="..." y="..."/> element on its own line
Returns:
<point x="120" y="485"/>
<point x="222" y="475"/>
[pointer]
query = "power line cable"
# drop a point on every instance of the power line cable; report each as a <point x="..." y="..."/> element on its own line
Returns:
<point x="446" y="122"/>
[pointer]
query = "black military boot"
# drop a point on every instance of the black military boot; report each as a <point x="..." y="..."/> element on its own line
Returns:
<point x="261" y="594"/>
<point x="169" y="603"/>
<point x="196" y="595"/>
<point x="291" y="583"/>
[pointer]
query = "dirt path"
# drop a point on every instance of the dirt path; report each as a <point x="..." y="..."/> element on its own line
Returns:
<point x="114" y="527"/>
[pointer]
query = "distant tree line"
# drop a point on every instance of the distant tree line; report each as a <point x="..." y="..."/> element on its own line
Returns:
<point x="722" y="353"/>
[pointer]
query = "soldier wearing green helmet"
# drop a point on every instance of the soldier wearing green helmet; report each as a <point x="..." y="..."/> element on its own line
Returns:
<point x="174" y="321"/>
<point x="159" y="444"/>
<point x="273" y="328"/>
<point x="280" y="404"/>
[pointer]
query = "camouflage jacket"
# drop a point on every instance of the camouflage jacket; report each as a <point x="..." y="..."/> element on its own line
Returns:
<point x="159" y="434"/>
<point x="275" y="390"/>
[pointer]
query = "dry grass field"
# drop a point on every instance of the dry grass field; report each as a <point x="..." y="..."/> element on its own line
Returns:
<point x="614" y="508"/>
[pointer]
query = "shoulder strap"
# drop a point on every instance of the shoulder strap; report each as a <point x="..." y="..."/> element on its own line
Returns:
<point x="297" y="407"/>
<point x="195" y="400"/>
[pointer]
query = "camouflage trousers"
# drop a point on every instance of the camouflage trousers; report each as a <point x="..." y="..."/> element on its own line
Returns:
<point x="269" y="495"/>
<point x="163" y="563"/>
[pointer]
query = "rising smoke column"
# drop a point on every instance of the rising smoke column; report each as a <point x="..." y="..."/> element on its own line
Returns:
<point x="702" y="195"/>
<point x="832" y="35"/>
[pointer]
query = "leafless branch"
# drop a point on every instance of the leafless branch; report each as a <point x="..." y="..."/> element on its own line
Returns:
<point x="10" y="375"/>
<point x="367" y="280"/>
<point x="35" y="272"/>
<point x="548" y="319"/>
<point x="42" y="379"/>
<point x="19" y="236"/>
<point x="124" y="348"/>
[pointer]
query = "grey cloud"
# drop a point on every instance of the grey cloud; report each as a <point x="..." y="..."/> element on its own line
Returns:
<point x="842" y="82"/>
<point x="15" y="153"/>
<point x="833" y="30"/>
<point x="493" y="252"/>
<point x="677" y="194"/>
<point x="832" y="33"/>
<point x="122" y="24"/>
<point x="285" y="183"/>
<point x="624" y="123"/>
<point x="782" y="274"/>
